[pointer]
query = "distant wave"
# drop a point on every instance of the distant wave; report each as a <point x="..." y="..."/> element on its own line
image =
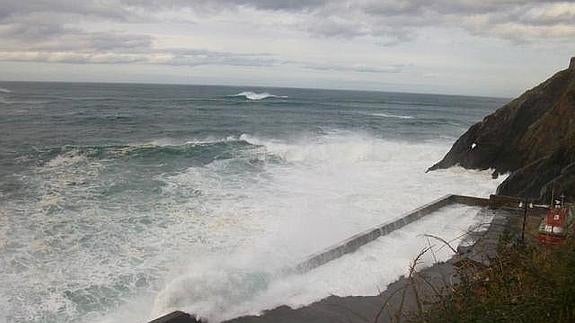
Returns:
<point x="258" y="96"/>
<point x="5" y="90"/>
<point x="389" y="115"/>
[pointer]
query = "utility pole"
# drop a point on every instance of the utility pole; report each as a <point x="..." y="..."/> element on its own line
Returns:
<point x="525" y="204"/>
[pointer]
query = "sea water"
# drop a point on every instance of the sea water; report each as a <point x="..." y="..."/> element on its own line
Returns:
<point x="121" y="202"/>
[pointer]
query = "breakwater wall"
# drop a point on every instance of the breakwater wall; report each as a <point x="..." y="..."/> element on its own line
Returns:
<point x="358" y="240"/>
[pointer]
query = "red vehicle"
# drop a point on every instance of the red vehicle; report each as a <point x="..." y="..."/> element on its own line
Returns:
<point x="553" y="228"/>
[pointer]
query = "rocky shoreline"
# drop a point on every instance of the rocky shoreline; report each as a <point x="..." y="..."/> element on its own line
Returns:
<point x="532" y="138"/>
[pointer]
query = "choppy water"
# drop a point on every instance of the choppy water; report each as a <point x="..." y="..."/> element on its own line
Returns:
<point x="120" y="202"/>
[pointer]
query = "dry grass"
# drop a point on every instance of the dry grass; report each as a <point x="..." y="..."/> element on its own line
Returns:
<point x="525" y="283"/>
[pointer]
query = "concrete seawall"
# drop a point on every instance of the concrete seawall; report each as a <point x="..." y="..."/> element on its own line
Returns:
<point x="358" y="240"/>
<point x="355" y="242"/>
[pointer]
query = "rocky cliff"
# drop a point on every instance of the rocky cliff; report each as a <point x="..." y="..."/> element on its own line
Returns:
<point x="532" y="137"/>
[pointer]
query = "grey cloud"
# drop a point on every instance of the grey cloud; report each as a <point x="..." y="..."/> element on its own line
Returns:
<point x="204" y="57"/>
<point x="205" y="52"/>
<point x="285" y="5"/>
<point x="52" y="26"/>
<point x="10" y="10"/>
<point x="187" y="57"/>
<point x="355" y="68"/>
<point x="59" y="38"/>
<point x="38" y="31"/>
<point x="49" y="30"/>
<point x="170" y="57"/>
<point x="334" y="27"/>
<point x="546" y="16"/>
<point x="395" y="19"/>
<point x="32" y="31"/>
<point x="491" y="18"/>
<point x="281" y="5"/>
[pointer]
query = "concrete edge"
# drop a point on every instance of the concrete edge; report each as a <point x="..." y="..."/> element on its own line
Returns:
<point x="358" y="240"/>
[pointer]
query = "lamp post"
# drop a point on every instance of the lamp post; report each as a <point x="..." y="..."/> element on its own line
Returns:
<point x="524" y="204"/>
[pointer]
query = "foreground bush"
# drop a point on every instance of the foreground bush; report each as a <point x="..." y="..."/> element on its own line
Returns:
<point x="524" y="284"/>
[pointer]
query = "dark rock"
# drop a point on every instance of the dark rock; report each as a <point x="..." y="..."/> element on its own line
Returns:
<point x="176" y="317"/>
<point x="533" y="137"/>
<point x="562" y="184"/>
<point x="544" y="180"/>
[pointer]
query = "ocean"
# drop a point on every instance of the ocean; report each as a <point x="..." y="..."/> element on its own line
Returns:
<point x="121" y="202"/>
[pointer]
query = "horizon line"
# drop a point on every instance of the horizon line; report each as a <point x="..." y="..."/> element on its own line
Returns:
<point x="257" y="86"/>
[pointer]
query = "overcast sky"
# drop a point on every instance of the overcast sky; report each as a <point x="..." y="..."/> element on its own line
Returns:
<point x="487" y="47"/>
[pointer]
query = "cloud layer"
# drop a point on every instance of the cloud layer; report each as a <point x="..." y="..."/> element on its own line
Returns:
<point x="51" y="31"/>
<point x="207" y="32"/>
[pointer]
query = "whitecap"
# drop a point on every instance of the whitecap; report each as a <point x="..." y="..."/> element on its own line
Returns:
<point x="3" y="90"/>
<point x="389" y="115"/>
<point x="258" y="96"/>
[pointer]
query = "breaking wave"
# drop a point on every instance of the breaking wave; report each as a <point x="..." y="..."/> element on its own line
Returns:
<point x="389" y="115"/>
<point x="192" y="152"/>
<point x="258" y="96"/>
<point x="3" y="90"/>
<point x="324" y="191"/>
<point x="214" y="220"/>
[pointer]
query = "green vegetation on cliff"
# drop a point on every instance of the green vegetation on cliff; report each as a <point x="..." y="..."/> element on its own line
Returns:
<point x="523" y="284"/>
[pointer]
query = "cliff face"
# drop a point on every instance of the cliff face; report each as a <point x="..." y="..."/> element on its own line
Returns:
<point x="533" y="137"/>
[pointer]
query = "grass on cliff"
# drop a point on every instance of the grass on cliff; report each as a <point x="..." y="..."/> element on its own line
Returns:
<point x="526" y="283"/>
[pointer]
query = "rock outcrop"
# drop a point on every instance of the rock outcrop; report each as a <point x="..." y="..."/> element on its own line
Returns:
<point x="532" y="137"/>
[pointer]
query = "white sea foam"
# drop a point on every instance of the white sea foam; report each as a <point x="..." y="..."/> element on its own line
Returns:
<point x="325" y="191"/>
<point x="389" y="115"/>
<point x="364" y="272"/>
<point x="258" y="96"/>
<point x="2" y="99"/>
<point x="170" y="142"/>
<point x="213" y="240"/>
